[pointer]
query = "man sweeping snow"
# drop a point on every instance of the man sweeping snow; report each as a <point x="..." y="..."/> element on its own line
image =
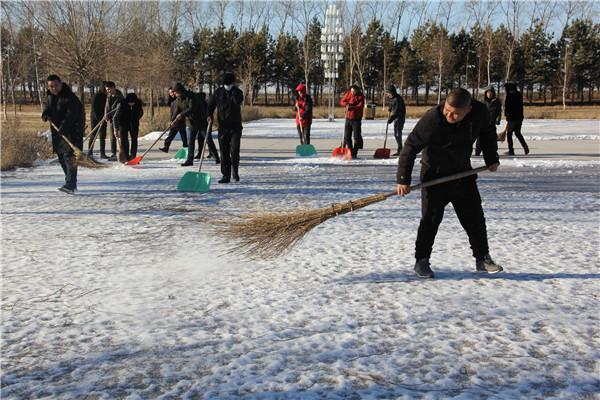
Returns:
<point x="446" y="134"/>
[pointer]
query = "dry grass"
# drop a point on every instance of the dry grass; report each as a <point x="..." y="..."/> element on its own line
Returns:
<point x="20" y="147"/>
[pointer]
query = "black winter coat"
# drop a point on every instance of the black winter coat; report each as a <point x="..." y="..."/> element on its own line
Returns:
<point x="228" y="104"/>
<point x="494" y="107"/>
<point x="397" y="109"/>
<point x="98" y="105"/>
<point x="130" y="116"/>
<point x="513" y="106"/>
<point x="113" y="108"/>
<point x="192" y="107"/>
<point x="447" y="147"/>
<point x="66" y="112"/>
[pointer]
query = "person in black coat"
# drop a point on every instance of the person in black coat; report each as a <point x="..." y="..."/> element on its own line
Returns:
<point x="111" y="115"/>
<point x="227" y="100"/>
<point x="130" y="115"/>
<point x="212" y="149"/>
<point x="65" y="111"/>
<point x="397" y="110"/>
<point x="97" y="115"/>
<point x="446" y="134"/>
<point x="513" y="111"/>
<point x="192" y="109"/>
<point x="494" y="107"/>
<point x="178" y="127"/>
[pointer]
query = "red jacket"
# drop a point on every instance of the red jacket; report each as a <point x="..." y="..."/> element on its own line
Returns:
<point x="355" y="105"/>
<point x="303" y="106"/>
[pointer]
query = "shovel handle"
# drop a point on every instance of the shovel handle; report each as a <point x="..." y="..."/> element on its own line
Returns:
<point x="208" y="132"/>
<point x="387" y="125"/>
<point x="156" y="141"/>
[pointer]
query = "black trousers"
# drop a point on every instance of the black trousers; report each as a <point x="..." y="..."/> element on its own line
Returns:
<point x="398" y="126"/>
<point x="352" y="130"/>
<point x="306" y="130"/>
<point x="515" y="127"/>
<point x="126" y="133"/>
<point x="465" y="198"/>
<point x="68" y="164"/>
<point x="229" y="144"/>
<point x="173" y="132"/>
<point x="212" y="149"/>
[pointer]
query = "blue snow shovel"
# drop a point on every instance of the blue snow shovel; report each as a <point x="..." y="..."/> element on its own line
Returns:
<point x="196" y="181"/>
<point x="181" y="154"/>
<point x="304" y="150"/>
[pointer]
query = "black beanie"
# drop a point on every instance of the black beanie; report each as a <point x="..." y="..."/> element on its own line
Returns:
<point x="228" y="78"/>
<point x="391" y="89"/>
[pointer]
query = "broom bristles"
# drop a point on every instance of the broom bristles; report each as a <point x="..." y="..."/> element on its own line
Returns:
<point x="269" y="235"/>
<point x="87" y="162"/>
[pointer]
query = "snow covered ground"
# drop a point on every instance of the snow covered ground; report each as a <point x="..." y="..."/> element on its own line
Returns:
<point x="123" y="291"/>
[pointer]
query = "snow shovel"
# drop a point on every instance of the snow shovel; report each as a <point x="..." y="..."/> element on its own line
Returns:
<point x="197" y="181"/>
<point x="181" y="154"/>
<point x="342" y="152"/>
<point x="385" y="152"/>
<point x="304" y="150"/>
<point x="136" y="160"/>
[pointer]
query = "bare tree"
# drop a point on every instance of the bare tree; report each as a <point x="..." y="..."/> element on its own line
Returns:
<point x="511" y="9"/>
<point x="443" y="45"/>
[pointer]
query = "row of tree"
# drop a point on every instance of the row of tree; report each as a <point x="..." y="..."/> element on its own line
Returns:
<point x="141" y="46"/>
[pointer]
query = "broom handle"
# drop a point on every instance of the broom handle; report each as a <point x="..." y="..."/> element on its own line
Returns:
<point x="161" y="135"/>
<point x="75" y="149"/>
<point x="208" y="132"/>
<point x="300" y="120"/>
<point x="444" y="179"/>
<point x="345" y="115"/>
<point x="387" y="124"/>
<point x="102" y="121"/>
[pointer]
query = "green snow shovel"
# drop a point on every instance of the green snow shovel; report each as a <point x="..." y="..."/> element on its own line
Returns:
<point x="181" y="154"/>
<point x="304" y="150"/>
<point x="196" y="181"/>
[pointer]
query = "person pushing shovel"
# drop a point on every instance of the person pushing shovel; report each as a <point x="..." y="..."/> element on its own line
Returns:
<point x="446" y="134"/>
<point x="64" y="110"/>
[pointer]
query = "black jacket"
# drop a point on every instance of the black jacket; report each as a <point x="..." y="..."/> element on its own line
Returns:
<point x="397" y="109"/>
<point x="228" y="104"/>
<point x="494" y="107"/>
<point x="113" y="108"/>
<point x="98" y="105"/>
<point x="66" y="112"/>
<point x="192" y="107"/>
<point x="513" y="106"/>
<point x="130" y="116"/>
<point x="447" y="147"/>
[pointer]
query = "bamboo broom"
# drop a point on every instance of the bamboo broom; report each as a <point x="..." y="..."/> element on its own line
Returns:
<point x="81" y="159"/>
<point x="269" y="235"/>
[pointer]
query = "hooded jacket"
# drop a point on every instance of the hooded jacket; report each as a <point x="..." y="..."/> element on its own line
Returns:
<point x="494" y="106"/>
<point x="354" y="103"/>
<point x="447" y="147"/>
<point x="397" y="108"/>
<point x="303" y="106"/>
<point x="66" y="112"/>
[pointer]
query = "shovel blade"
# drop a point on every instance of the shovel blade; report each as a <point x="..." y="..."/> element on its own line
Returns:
<point x="305" y="150"/>
<point x="382" y="153"/>
<point x="342" y="152"/>
<point x="134" y="161"/>
<point x="181" y="154"/>
<point x="194" y="182"/>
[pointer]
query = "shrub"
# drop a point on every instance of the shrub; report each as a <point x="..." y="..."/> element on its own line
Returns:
<point x="21" y="148"/>
<point x="159" y="122"/>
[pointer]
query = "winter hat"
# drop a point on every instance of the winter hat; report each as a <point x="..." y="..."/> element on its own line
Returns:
<point x="131" y="98"/>
<point x="391" y="89"/>
<point x="178" y="87"/>
<point x="301" y="88"/>
<point x="355" y="87"/>
<point x="228" y="78"/>
<point x="490" y="89"/>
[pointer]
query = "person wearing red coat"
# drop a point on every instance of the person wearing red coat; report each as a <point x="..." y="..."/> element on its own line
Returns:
<point x="354" y="102"/>
<point x="303" y="106"/>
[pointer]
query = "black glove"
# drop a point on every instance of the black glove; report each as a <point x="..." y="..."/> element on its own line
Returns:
<point x="44" y="118"/>
<point x="390" y="120"/>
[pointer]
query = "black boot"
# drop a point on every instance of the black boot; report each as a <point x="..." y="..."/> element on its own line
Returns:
<point x="164" y="149"/>
<point x="198" y="156"/>
<point x="235" y="176"/>
<point x="354" y="153"/>
<point x="187" y="163"/>
<point x="422" y="268"/>
<point x="224" y="180"/>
